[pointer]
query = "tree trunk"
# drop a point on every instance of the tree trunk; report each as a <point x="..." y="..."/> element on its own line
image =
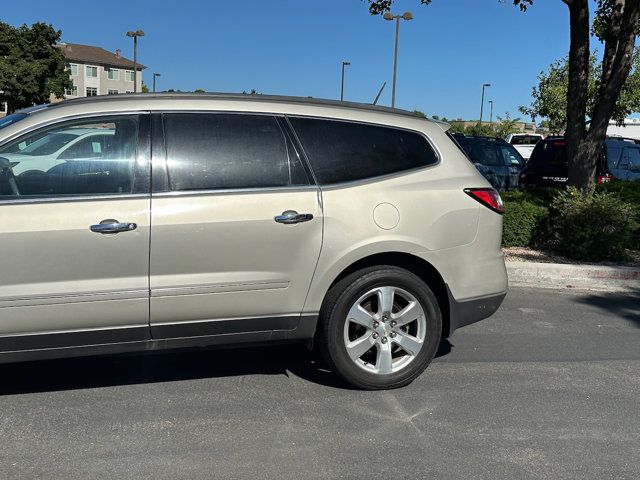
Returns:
<point x="581" y="168"/>
<point x="585" y="147"/>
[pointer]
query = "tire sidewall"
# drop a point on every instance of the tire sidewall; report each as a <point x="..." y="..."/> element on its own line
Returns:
<point x="337" y="316"/>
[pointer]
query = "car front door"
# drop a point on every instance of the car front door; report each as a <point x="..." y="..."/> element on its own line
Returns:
<point x="75" y="241"/>
<point x="237" y="227"/>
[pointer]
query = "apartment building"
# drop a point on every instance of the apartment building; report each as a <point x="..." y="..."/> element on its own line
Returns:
<point x="96" y="71"/>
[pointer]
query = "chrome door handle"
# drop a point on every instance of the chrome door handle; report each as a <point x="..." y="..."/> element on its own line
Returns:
<point x="291" y="216"/>
<point x="113" y="226"/>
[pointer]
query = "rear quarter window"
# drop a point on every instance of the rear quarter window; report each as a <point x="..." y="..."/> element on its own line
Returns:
<point x="345" y="151"/>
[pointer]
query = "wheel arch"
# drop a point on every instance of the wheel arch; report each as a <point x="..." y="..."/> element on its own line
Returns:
<point x="414" y="264"/>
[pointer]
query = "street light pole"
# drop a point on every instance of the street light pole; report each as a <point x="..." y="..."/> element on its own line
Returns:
<point x="484" y="85"/>
<point x="491" y="114"/>
<point x="154" y="81"/>
<point x="342" y="84"/>
<point x="135" y="35"/>
<point x="390" y="16"/>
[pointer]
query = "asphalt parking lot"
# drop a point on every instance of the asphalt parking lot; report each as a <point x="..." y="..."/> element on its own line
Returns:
<point x="547" y="388"/>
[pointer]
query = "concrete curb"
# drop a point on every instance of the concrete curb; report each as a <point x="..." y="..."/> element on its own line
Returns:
<point x="569" y="276"/>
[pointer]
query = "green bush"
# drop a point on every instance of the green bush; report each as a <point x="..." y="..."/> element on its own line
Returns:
<point x="593" y="226"/>
<point x="523" y="223"/>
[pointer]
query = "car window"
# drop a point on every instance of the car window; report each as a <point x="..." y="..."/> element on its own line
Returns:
<point x="546" y="153"/>
<point x="346" y="151"/>
<point x="486" y="154"/>
<point x="613" y="154"/>
<point x="510" y="155"/>
<point x="93" y="166"/>
<point x="91" y="146"/>
<point x="228" y="151"/>
<point x="524" y="140"/>
<point x="634" y="159"/>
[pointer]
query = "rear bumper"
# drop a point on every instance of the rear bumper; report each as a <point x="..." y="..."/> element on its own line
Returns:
<point x="470" y="311"/>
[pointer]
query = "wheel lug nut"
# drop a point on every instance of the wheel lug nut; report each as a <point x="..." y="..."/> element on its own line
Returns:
<point x="393" y="335"/>
<point x="385" y="318"/>
<point x="375" y="336"/>
<point x="384" y="339"/>
<point x="394" y="323"/>
<point x="375" y="324"/>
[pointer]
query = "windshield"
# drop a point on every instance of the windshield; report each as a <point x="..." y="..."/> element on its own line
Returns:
<point x="525" y="140"/>
<point x="46" y="145"/>
<point x="11" y="119"/>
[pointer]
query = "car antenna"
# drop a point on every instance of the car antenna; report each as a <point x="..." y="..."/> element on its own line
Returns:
<point x="379" y="93"/>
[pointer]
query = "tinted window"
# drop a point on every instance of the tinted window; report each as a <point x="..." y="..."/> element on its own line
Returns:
<point x="510" y="155"/>
<point x="634" y="159"/>
<point x="35" y="165"/>
<point x="524" y="140"/>
<point x="486" y="154"/>
<point x="613" y="153"/>
<point x="548" y="153"/>
<point x="344" y="151"/>
<point x="227" y="151"/>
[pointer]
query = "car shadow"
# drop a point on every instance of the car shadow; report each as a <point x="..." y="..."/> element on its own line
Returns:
<point x="626" y="306"/>
<point x="169" y="366"/>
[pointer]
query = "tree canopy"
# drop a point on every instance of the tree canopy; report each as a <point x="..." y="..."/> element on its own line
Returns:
<point x="31" y="68"/>
<point x="594" y="91"/>
<point x="550" y="95"/>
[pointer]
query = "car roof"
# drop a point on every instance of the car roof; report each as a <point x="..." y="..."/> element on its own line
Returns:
<point x="158" y="97"/>
<point x="479" y="138"/>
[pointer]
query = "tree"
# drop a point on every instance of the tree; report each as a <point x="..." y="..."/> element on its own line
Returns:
<point x="505" y="126"/>
<point x="145" y="88"/>
<point x="198" y="90"/>
<point x="420" y="113"/>
<point x="31" y="68"/>
<point x="550" y="96"/>
<point x="616" y="24"/>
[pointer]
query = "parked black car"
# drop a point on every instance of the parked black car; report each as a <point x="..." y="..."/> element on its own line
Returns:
<point x="548" y="165"/>
<point x="494" y="158"/>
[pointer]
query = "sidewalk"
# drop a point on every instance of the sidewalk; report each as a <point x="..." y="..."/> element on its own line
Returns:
<point x="569" y="276"/>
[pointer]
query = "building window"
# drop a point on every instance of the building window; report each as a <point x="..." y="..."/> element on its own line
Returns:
<point x="73" y="67"/>
<point x="113" y="74"/>
<point x="92" y="71"/>
<point x="128" y="75"/>
<point x="113" y="92"/>
<point x="71" y="92"/>
<point x="128" y="91"/>
<point x="92" y="92"/>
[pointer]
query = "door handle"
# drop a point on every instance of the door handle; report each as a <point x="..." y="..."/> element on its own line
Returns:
<point x="113" y="226"/>
<point x="291" y="216"/>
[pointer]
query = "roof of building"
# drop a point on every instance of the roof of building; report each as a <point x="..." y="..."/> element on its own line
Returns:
<point x="89" y="54"/>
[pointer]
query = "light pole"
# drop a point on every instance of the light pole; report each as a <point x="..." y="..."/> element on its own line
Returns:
<point x="391" y="16"/>
<point x="484" y="85"/>
<point x="154" y="81"/>
<point x="342" y="84"/>
<point x="135" y="35"/>
<point x="491" y="114"/>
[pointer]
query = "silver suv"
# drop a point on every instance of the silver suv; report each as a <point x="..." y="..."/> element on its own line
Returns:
<point x="163" y="221"/>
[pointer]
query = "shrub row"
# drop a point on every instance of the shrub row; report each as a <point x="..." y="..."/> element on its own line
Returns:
<point x="595" y="225"/>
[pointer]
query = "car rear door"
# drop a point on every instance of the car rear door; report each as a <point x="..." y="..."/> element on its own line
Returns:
<point x="75" y="241"/>
<point x="237" y="226"/>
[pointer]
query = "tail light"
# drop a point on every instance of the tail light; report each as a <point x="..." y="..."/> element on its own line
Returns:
<point x="604" y="178"/>
<point x="488" y="197"/>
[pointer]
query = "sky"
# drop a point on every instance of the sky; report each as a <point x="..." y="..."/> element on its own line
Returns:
<point x="295" y="47"/>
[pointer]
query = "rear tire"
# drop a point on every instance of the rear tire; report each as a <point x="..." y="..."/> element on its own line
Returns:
<point x="380" y="327"/>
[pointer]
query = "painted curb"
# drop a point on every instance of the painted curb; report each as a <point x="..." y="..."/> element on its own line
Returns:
<point x="579" y="277"/>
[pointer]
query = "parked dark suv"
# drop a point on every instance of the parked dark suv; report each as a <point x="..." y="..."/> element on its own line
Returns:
<point x="548" y="165"/>
<point x="494" y="158"/>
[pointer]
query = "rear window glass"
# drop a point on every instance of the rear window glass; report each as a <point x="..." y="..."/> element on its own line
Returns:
<point x="524" y="140"/>
<point x="551" y="152"/>
<point x="613" y="155"/>
<point x="345" y="151"/>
